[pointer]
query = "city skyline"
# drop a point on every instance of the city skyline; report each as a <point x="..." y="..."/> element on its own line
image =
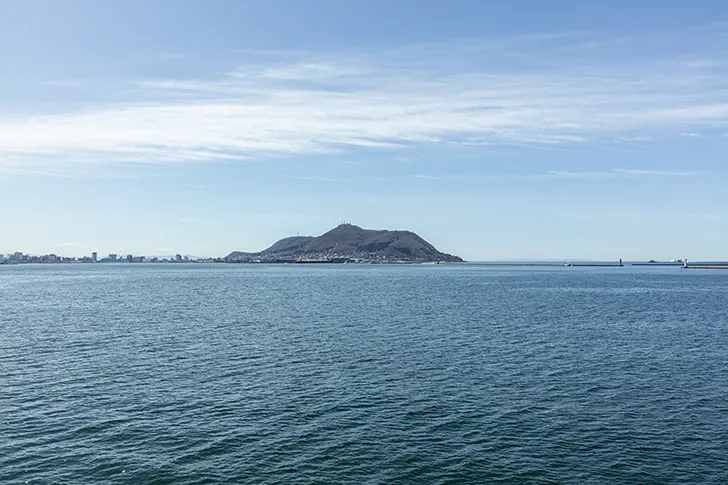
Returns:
<point x="49" y="258"/>
<point x="559" y="131"/>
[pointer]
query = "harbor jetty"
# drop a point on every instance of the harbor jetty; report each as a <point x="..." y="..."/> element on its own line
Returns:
<point x="551" y="265"/>
<point x="657" y="264"/>
<point x="555" y="264"/>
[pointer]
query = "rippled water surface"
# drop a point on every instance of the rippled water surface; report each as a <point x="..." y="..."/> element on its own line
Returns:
<point x="332" y="374"/>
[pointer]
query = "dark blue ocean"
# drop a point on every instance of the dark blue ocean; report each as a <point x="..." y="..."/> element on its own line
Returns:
<point x="338" y="374"/>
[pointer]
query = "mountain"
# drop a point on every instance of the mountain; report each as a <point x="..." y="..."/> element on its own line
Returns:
<point x="288" y="244"/>
<point x="348" y="242"/>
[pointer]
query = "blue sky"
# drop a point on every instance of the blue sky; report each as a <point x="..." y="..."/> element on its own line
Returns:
<point x="493" y="129"/>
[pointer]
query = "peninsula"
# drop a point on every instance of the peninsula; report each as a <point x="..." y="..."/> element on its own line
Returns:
<point x="348" y="243"/>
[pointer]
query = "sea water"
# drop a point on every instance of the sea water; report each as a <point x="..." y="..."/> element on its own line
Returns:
<point x="333" y="374"/>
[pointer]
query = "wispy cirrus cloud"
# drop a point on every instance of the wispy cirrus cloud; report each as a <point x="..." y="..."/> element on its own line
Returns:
<point x="427" y="177"/>
<point x="658" y="173"/>
<point x="533" y="90"/>
<point x="637" y="138"/>
<point x="556" y="174"/>
<point x="314" y="178"/>
<point x="621" y="172"/>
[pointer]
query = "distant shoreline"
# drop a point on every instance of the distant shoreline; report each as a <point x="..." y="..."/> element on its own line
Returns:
<point x="493" y="264"/>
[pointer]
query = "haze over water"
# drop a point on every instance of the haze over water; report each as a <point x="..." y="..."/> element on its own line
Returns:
<point x="192" y="374"/>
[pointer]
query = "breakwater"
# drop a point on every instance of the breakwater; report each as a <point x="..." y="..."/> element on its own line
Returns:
<point x="548" y="265"/>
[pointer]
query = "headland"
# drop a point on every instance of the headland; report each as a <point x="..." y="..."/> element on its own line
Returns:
<point x="348" y="243"/>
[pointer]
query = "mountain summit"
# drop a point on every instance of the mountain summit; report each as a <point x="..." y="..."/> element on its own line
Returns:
<point x="348" y="242"/>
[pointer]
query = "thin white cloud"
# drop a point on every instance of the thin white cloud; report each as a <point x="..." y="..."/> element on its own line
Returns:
<point x="313" y="178"/>
<point x="621" y="172"/>
<point x="580" y="175"/>
<point x="692" y="135"/>
<point x="426" y="177"/>
<point x="199" y="186"/>
<point x="464" y="93"/>
<point x="658" y="173"/>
